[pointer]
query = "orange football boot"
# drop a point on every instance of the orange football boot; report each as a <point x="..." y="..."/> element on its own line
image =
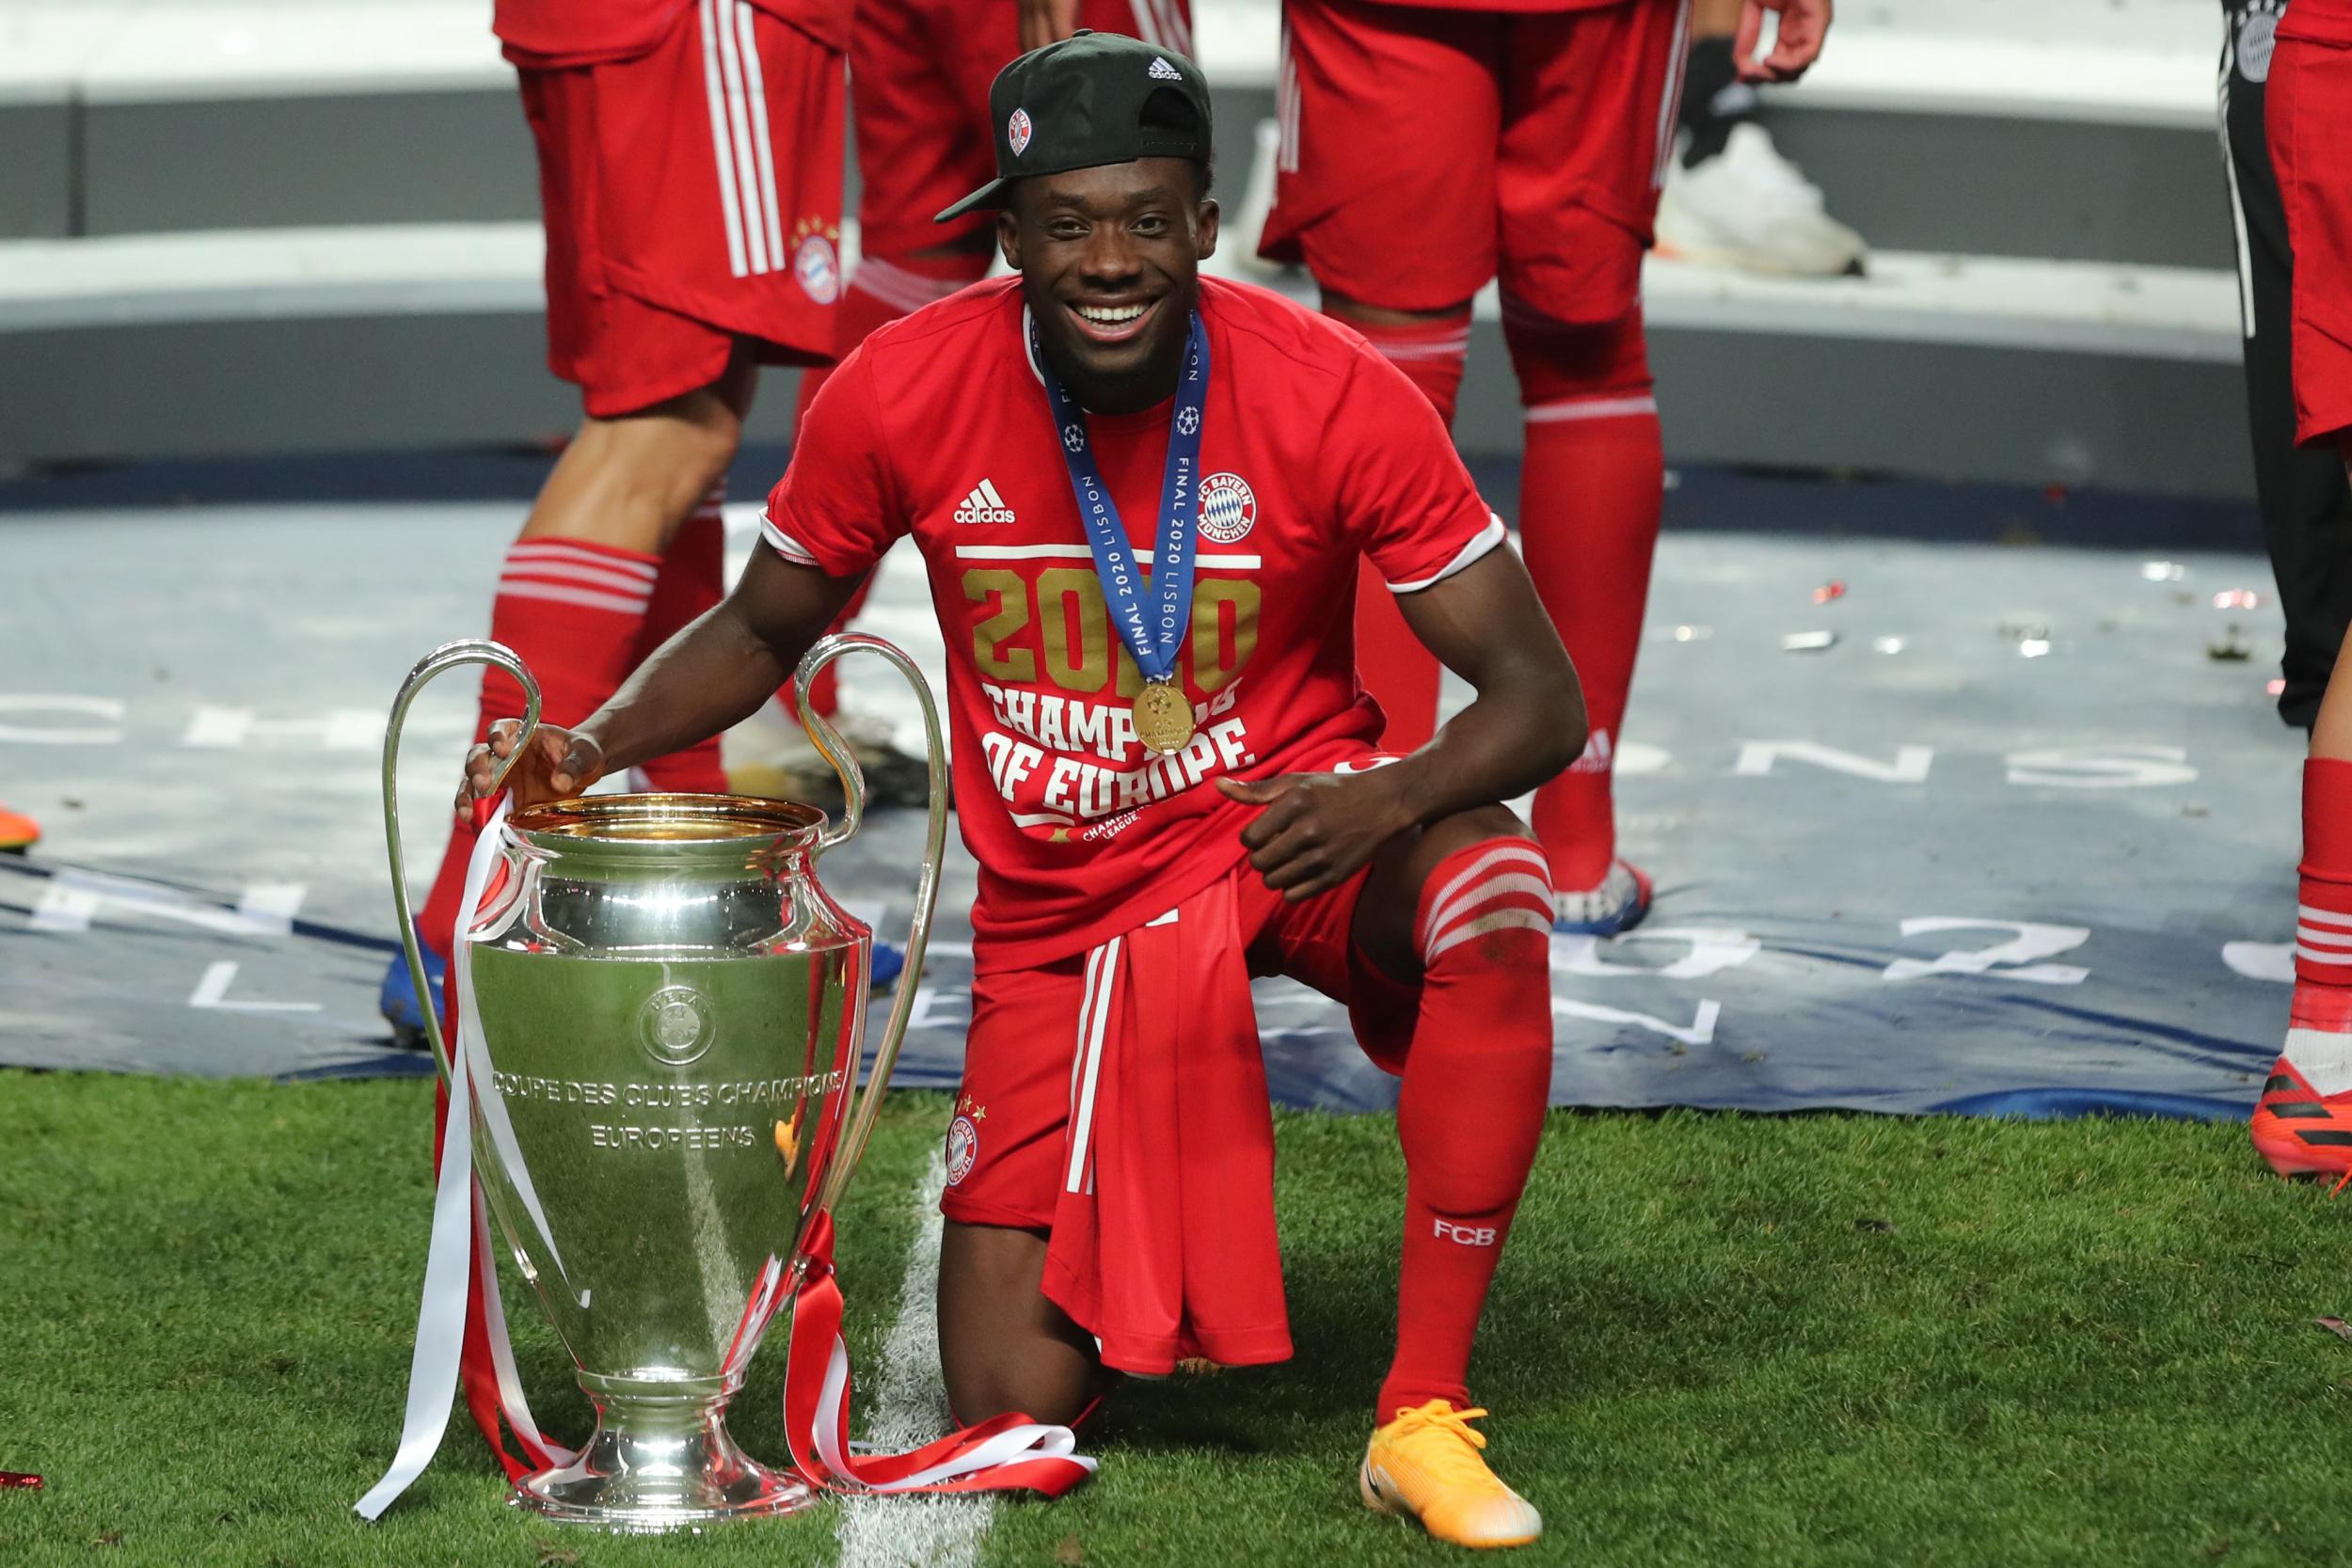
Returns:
<point x="1425" y="1465"/>
<point x="18" y="831"/>
<point x="2300" y="1131"/>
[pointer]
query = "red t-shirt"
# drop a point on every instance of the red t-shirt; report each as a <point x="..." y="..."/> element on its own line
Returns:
<point x="1315" y="451"/>
<point x="2318" y="22"/>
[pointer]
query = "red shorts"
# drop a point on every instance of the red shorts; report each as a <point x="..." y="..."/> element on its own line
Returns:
<point x="1007" y="1142"/>
<point x="2308" y="115"/>
<point x="1425" y="150"/>
<point x="693" y="199"/>
<point x="920" y="72"/>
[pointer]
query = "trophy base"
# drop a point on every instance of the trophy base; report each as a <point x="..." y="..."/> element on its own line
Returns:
<point x="645" y="1483"/>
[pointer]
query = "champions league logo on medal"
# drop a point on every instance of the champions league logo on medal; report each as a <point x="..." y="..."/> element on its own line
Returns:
<point x="815" y="264"/>
<point x="1017" y="131"/>
<point x="1189" y="421"/>
<point x="1229" y="508"/>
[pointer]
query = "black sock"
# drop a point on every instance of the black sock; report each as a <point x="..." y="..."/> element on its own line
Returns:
<point x="1713" y="100"/>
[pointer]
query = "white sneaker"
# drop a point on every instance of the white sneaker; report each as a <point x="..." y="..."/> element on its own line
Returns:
<point x="1750" y="208"/>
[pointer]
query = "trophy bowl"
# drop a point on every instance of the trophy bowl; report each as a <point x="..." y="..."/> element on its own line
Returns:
<point x="672" y="1007"/>
<point x="660" y="1013"/>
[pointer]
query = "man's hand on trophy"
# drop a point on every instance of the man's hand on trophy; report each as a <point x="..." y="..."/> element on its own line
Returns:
<point x="559" y="764"/>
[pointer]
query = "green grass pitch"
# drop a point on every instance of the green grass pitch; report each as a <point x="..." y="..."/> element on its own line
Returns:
<point x="1715" y="1341"/>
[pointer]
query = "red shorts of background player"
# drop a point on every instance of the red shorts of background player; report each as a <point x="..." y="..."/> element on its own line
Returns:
<point x="1426" y="151"/>
<point x="1008" y="1144"/>
<point x="2308" y="116"/>
<point x="693" y="199"/>
<point x="921" y="70"/>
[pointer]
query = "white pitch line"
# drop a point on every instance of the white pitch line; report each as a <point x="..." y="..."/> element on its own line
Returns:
<point x="914" y="1532"/>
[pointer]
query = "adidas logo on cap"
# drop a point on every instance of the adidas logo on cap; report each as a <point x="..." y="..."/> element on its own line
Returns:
<point x="984" y="505"/>
<point x="1163" y="70"/>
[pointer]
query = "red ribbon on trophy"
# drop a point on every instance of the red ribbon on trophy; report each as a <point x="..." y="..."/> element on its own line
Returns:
<point x="1007" y="1454"/>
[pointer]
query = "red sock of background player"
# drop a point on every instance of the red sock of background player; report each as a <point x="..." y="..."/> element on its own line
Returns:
<point x="693" y="577"/>
<point x="1471" y="1111"/>
<point x="2319" y="1039"/>
<point x="572" y="612"/>
<point x="1590" y="490"/>
<point x="881" y="289"/>
<point x="1401" y="674"/>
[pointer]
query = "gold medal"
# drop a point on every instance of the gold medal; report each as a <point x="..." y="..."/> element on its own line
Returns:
<point x="1163" y="717"/>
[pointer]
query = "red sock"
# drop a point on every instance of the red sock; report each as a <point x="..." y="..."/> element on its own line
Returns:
<point x="572" y="612"/>
<point x="881" y="289"/>
<point x="1401" y="674"/>
<point x="1472" y="1108"/>
<point x="693" y="578"/>
<point x="1590" y="490"/>
<point x="2323" y="927"/>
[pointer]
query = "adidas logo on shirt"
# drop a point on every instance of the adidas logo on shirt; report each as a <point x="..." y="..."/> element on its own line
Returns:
<point x="984" y="505"/>
<point x="1164" y="72"/>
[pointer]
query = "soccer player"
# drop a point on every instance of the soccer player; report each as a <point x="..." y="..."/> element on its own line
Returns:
<point x="2306" y="503"/>
<point x="2302" y="1124"/>
<point x="1427" y="146"/>
<point x="919" y="74"/>
<point x="1168" y="777"/>
<point x="690" y="175"/>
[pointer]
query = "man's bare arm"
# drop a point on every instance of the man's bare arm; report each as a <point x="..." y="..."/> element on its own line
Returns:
<point x="1485" y="623"/>
<point x="710" y="677"/>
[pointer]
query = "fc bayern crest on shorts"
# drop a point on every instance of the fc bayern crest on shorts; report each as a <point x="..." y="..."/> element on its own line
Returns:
<point x="817" y="265"/>
<point x="964" y="1147"/>
<point x="1229" y="508"/>
<point x="1017" y="131"/>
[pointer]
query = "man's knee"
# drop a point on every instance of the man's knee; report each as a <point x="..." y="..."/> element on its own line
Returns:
<point x="1568" y="360"/>
<point x="1004" y="1346"/>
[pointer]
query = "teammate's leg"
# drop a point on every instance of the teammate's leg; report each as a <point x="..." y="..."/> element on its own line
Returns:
<point x="1588" y="106"/>
<point x="574" y="593"/>
<point x="1591" y="487"/>
<point x="2303" y="1122"/>
<point x="1431" y="347"/>
<point x="2306" y="504"/>
<point x="1385" y="192"/>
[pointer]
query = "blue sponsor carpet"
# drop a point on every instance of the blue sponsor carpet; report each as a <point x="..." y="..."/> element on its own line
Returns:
<point x="1958" y="797"/>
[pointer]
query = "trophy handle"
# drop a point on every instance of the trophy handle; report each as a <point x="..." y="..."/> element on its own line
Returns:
<point x="860" y="1125"/>
<point x="449" y="656"/>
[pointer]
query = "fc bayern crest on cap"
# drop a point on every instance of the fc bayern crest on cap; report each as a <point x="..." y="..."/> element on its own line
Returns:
<point x="1017" y="131"/>
<point x="1229" y="508"/>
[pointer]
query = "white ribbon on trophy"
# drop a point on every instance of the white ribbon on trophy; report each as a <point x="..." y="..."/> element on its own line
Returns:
<point x="462" y="1249"/>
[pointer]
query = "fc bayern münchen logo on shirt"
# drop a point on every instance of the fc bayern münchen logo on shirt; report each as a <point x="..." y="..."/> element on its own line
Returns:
<point x="1017" y="131"/>
<point x="1229" y="508"/>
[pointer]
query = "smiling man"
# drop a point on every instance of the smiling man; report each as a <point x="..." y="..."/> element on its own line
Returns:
<point x="1141" y="498"/>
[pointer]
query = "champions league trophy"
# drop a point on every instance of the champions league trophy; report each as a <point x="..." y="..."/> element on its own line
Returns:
<point x="661" y="1011"/>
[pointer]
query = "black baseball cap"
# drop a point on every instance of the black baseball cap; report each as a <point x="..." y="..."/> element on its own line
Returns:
<point x="1089" y="100"/>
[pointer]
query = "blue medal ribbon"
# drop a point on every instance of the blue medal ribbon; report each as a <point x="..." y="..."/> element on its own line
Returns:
<point x="1153" y="638"/>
